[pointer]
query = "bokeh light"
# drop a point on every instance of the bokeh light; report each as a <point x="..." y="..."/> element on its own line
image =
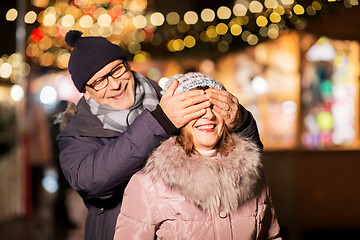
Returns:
<point x="48" y="95"/>
<point x="224" y="12"/>
<point x="30" y="17"/>
<point x="157" y="19"/>
<point x="239" y="9"/>
<point x="191" y="17"/>
<point x="12" y="14"/>
<point x="172" y="18"/>
<point x="17" y="93"/>
<point x="207" y="15"/>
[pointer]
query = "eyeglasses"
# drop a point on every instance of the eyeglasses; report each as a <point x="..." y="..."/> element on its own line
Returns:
<point x="115" y="73"/>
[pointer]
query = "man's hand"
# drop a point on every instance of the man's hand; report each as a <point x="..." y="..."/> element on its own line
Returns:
<point x="227" y="105"/>
<point x="183" y="107"/>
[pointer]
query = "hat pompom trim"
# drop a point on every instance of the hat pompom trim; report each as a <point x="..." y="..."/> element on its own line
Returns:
<point x="72" y="36"/>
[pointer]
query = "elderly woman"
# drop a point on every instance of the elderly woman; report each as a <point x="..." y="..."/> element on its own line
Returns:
<point x="206" y="183"/>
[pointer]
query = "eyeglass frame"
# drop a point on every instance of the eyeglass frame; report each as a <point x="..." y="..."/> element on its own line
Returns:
<point x="106" y="76"/>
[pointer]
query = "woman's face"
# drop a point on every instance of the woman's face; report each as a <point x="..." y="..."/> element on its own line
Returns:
<point x="206" y="130"/>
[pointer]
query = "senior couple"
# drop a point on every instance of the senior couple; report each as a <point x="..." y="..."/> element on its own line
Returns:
<point x="183" y="163"/>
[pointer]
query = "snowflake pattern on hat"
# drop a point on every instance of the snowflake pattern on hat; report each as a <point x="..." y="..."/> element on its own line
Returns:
<point x="192" y="80"/>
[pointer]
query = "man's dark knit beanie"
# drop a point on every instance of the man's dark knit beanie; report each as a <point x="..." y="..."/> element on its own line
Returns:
<point x="89" y="55"/>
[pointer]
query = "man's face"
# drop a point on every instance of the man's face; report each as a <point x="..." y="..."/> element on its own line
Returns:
<point x="118" y="94"/>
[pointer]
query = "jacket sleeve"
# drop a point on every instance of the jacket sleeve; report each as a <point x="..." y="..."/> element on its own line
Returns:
<point x="248" y="128"/>
<point x="268" y="226"/>
<point x="134" y="220"/>
<point x="97" y="167"/>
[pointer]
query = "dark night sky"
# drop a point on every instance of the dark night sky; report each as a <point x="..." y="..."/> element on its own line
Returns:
<point x="7" y="29"/>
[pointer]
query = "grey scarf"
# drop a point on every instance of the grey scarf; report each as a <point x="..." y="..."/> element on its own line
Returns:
<point x="119" y="120"/>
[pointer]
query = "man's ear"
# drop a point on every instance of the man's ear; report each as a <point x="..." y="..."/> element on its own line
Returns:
<point x="86" y="95"/>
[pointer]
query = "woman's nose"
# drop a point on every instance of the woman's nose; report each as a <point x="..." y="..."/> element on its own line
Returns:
<point x="209" y="113"/>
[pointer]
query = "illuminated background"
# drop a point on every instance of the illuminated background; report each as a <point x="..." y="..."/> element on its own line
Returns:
<point x="293" y="64"/>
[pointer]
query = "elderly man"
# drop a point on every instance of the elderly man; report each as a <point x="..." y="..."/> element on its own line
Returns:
<point x="120" y="120"/>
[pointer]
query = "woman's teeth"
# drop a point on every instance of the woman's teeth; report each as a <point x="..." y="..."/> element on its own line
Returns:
<point x="206" y="127"/>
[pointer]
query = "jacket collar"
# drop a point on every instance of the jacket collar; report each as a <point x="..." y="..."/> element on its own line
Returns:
<point x="88" y="124"/>
<point x="221" y="182"/>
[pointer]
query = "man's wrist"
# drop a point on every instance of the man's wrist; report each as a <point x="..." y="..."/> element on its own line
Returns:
<point x="164" y="121"/>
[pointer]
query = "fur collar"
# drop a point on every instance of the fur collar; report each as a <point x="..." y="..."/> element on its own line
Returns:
<point x="222" y="182"/>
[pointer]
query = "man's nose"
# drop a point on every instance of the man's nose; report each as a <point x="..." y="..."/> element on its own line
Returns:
<point x="114" y="83"/>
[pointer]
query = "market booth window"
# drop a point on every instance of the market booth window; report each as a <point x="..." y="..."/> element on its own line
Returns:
<point x="329" y="94"/>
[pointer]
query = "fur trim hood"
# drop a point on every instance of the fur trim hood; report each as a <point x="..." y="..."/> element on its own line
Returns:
<point x="212" y="183"/>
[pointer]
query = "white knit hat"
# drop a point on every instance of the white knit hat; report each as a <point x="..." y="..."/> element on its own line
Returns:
<point x="192" y="80"/>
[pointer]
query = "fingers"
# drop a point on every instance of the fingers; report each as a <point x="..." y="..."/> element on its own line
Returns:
<point x="227" y="105"/>
<point x="191" y="116"/>
<point x="171" y="89"/>
<point x="187" y="100"/>
<point x="224" y="113"/>
<point x="222" y="99"/>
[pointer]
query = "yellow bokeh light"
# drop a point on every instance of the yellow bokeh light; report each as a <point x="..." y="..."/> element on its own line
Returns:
<point x="170" y="46"/>
<point x="178" y="45"/>
<point x="49" y="19"/>
<point x="94" y="29"/>
<point x="287" y="2"/>
<point x="191" y="17"/>
<point x="140" y="57"/>
<point x="263" y="31"/>
<point x="104" y="20"/>
<point x="45" y="43"/>
<point x="211" y="32"/>
<point x="204" y="37"/>
<point x="252" y="39"/>
<point x="261" y="21"/>
<point x="12" y="14"/>
<point x="134" y="47"/>
<point x="354" y="2"/>
<point x="223" y="12"/>
<point x="32" y="50"/>
<point x="139" y="21"/>
<point x="172" y="18"/>
<point x="183" y="27"/>
<point x="223" y="46"/>
<point x="30" y="17"/>
<point x="134" y="5"/>
<point x="273" y="31"/>
<point x="310" y="10"/>
<point x="298" y="9"/>
<point x="316" y="5"/>
<point x="236" y="29"/>
<point x="189" y="41"/>
<point x="46" y="59"/>
<point x="40" y="3"/>
<point x="255" y="7"/>
<point x="68" y="21"/>
<point x="15" y="60"/>
<point x="239" y="9"/>
<point x="271" y="3"/>
<point x="245" y="35"/>
<point x="106" y="31"/>
<point x="63" y="58"/>
<point x="207" y="15"/>
<point x="157" y="19"/>
<point x="275" y="17"/>
<point x="279" y="9"/>
<point x="86" y="21"/>
<point x="222" y="28"/>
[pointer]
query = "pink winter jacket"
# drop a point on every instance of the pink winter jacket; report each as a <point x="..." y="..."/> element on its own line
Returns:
<point x="177" y="196"/>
